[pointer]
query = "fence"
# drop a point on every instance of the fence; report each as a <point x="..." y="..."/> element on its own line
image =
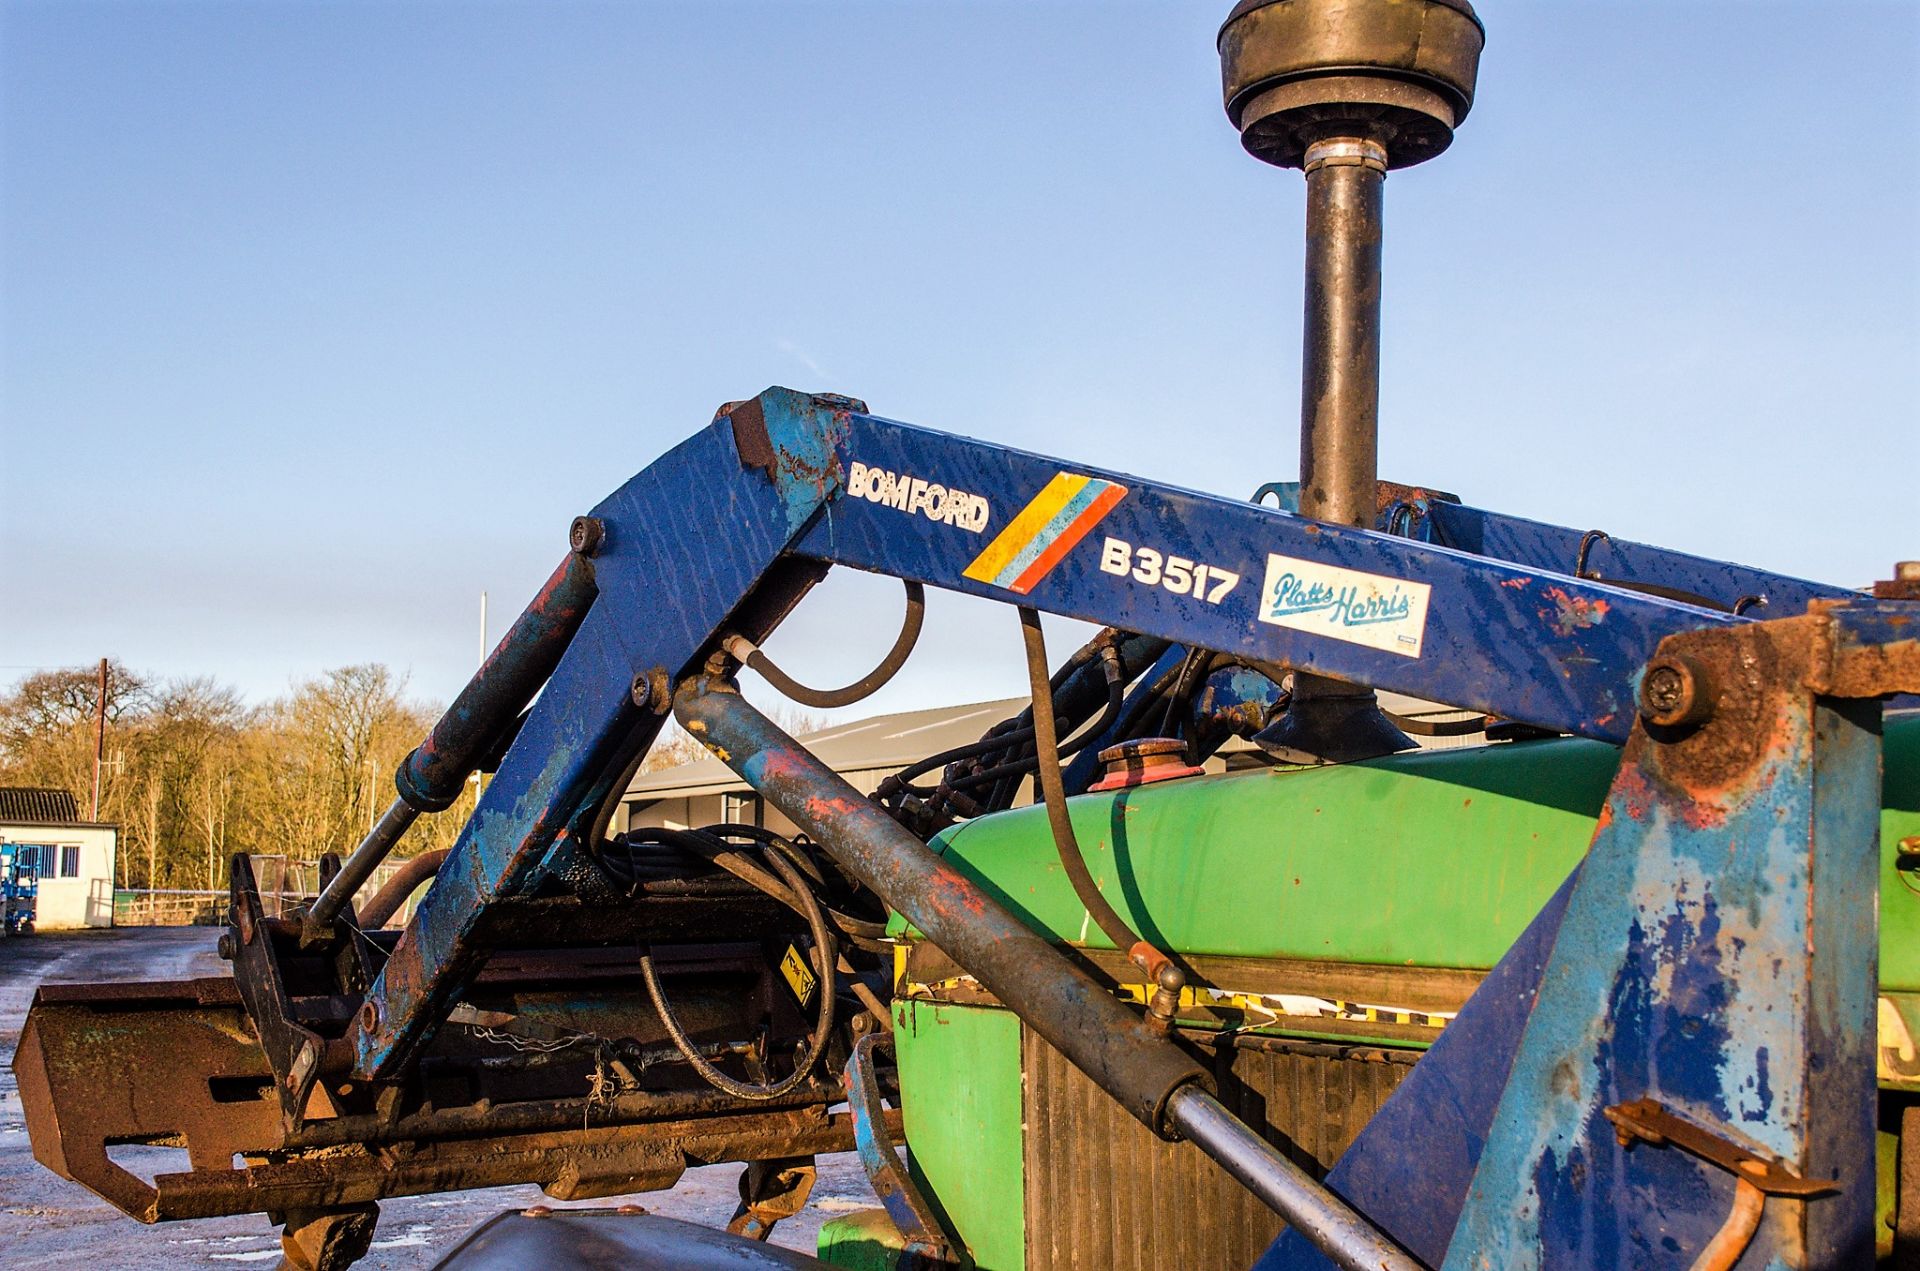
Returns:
<point x="286" y="885"/>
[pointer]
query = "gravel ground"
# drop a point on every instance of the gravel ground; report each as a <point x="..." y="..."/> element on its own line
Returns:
<point x="47" y="1222"/>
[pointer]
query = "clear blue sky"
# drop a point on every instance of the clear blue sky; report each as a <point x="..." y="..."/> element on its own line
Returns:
<point x="320" y="319"/>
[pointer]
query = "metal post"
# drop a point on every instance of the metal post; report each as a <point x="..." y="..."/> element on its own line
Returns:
<point x="1327" y="720"/>
<point x="99" y="739"/>
<point x="1340" y="373"/>
<point x="1340" y="419"/>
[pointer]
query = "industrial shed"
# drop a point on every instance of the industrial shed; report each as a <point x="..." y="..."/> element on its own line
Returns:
<point x="866" y="752"/>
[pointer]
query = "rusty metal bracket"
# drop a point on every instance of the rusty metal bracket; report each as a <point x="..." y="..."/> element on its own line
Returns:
<point x="1755" y="1177"/>
<point x="928" y="1244"/>
<point x="769" y="1191"/>
<point x="294" y="1052"/>
<point x="327" y="1239"/>
<point x="1650" y="1121"/>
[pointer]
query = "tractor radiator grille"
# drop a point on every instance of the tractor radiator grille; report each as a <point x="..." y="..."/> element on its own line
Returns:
<point x="1102" y="1191"/>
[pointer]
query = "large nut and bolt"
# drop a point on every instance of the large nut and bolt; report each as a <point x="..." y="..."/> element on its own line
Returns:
<point x="1676" y="692"/>
<point x="586" y="534"/>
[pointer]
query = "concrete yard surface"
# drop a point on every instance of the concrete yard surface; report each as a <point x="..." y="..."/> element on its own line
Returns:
<point x="48" y="1222"/>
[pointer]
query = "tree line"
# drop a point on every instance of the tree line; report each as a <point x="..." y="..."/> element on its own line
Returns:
<point x="193" y="773"/>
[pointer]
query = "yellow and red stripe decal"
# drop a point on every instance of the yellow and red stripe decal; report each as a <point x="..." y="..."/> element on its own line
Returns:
<point x="1044" y="531"/>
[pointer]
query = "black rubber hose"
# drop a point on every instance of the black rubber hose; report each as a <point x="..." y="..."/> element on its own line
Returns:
<point x="972" y="750"/>
<point x="754" y="659"/>
<point x="1418" y="727"/>
<point x="1053" y="791"/>
<point x="1016" y="741"/>
<point x="1116" y="694"/>
<point x="1010" y="746"/>
<point x="824" y="959"/>
<point x="1195" y="666"/>
<point x="863" y="930"/>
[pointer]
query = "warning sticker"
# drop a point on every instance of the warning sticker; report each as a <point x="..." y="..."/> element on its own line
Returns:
<point x="800" y="977"/>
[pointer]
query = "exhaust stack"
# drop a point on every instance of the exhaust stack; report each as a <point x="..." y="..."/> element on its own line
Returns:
<point x="1345" y="90"/>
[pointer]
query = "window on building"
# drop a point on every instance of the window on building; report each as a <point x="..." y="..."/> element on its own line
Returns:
<point x="27" y="856"/>
<point x="69" y="860"/>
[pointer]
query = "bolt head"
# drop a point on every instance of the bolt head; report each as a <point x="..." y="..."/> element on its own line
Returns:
<point x="1675" y="692"/>
<point x="225" y="947"/>
<point x="586" y="534"/>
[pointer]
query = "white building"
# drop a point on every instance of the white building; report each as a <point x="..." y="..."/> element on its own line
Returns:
<point x="75" y="858"/>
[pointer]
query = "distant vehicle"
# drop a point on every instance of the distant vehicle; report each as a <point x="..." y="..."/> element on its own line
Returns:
<point x="19" y="887"/>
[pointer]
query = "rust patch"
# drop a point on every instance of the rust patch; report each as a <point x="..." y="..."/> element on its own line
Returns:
<point x="1754" y="670"/>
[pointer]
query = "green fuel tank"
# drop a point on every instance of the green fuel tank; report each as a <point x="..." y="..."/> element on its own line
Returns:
<point x="1333" y="920"/>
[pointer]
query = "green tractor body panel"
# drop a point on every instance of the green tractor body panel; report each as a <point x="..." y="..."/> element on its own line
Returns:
<point x="1353" y="904"/>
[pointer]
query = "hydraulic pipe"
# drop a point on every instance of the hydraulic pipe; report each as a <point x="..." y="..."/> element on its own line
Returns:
<point x="430" y="778"/>
<point x="356" y="870"/>
<point x="1147" y="1074"/>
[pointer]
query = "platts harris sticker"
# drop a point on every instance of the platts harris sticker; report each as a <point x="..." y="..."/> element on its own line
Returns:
<point x="1345" y="604"/>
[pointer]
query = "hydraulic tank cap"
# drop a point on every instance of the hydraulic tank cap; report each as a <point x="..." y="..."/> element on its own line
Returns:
<point x="1397" y="72"/>
<point x="1143" y="761"/>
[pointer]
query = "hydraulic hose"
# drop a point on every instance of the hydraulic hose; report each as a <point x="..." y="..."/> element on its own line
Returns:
<point x="749" y="655"/>
<point x="709" y="843"/>
<point x="824" y="965"/>
<point x="1158" y="966"/>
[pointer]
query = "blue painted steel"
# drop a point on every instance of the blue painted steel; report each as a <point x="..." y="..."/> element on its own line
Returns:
<point x="1718" y="954"/>
<point x="1232" y="700"/>
<point x="702" y="528"/>
<point x="1512" y="641"/>
<point x="667" y="581"/>
<point x="1538" y="545"/>
<point x="1433" y="518"/>
<point x="926" y="1243"/>
<point x="1715" y="952"/>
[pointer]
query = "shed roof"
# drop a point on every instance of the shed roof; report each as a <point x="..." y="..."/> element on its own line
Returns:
<point x="38" y="803"/>
<point x="884" y="741"/>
